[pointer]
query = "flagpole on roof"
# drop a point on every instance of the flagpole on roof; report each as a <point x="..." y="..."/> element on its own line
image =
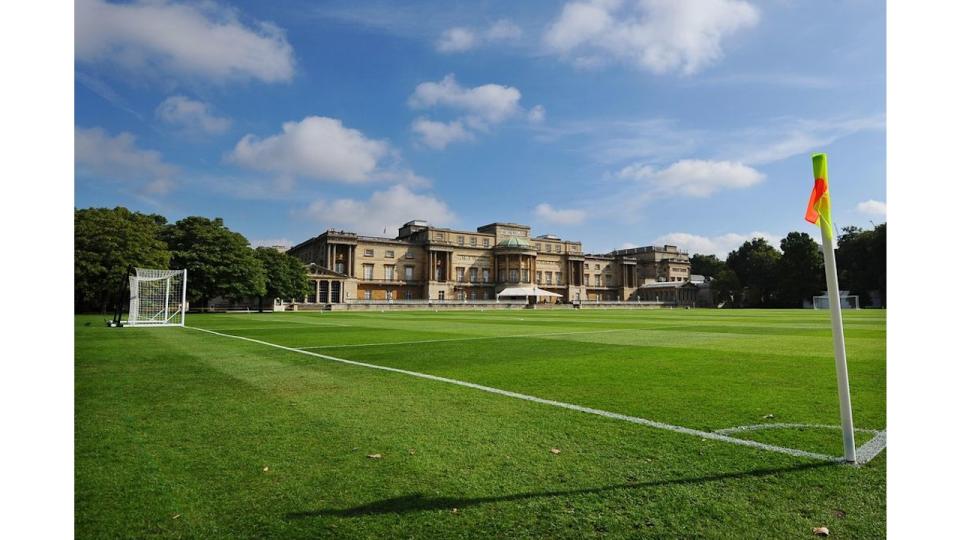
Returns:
<point x="818" y="211"/>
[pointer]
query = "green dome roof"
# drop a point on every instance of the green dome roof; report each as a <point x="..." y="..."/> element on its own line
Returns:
<point x="515" y="242"/>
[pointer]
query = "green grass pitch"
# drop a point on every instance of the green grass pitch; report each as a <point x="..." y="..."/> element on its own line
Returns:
<point x="182" y="433"/>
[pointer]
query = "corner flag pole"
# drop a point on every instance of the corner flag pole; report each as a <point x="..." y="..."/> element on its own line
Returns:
<point x="818" y="212"/>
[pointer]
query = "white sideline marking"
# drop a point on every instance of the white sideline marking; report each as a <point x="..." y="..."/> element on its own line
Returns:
<point x="288" y="320"/>
<point x="865" y="452"/>
<point x="617" y="416"/>
<point x="443" y="340"/>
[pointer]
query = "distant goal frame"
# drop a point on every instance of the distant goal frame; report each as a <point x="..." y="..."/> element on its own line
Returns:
<point x="849" y="301"/>
<point x="158" y="298"/>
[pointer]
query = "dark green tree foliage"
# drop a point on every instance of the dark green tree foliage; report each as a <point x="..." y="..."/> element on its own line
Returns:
<point x="862" y="261"/>
<point x="800" y="270"/>
<point x="727" y="288"/>
<point x="755" y="264"/>
<point x="286" y="277"/>
<point x="706" y="265"/>
<point x="219" y="262"/>
<point x="107" y="243"/>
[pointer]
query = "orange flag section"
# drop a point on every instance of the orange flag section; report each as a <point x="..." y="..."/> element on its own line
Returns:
<point x="818" y="208"/>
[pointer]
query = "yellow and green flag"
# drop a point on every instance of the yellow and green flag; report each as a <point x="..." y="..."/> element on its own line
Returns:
<point x="818" y="209"/>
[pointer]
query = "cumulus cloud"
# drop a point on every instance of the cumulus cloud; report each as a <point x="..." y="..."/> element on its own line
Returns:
<point x="118" y="158"/>
<point x="557" y="216"/>
<point x="694" y="177"/>
<point x="317" y="147"/>
<point x="387" y="209"/>
<point x="478" y="109"/>
<point x="657" y="35"/>
<point x="457" y="39"/>
<point x="202" y="40"/>
<point x="460" y="38"/>
<point x="873" y="208"/>
<point x="438" y="135"/>
<point x="537" y="114"/>
<point x="484" y="105"/>
<point x="191" y="115"/>
<point x="720" y="245"/>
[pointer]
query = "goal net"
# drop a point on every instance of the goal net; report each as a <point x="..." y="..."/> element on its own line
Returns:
<point x="158" y="297"/>
<point x="850" y="301"/>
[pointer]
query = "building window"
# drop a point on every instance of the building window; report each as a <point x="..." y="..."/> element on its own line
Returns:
<point x="408" y="295"/>
<point x="608" y="279"/>
<point x="549" y="248"/>
<point x="441" y="295"/>
<point x="539" y="277"/>
<point x="409" y="255"/>
<point x="388" y="273"/>
<point x="459" y="240"/>
<point x="367" y="295"/>
<point x="514" y="276"/>
<point x="538" y="246"/>
<point x="473" y="275"/>
<point x="368" y="253"/>
<point x="486" y="242"/>
<point x="549" y="278"/>
<point x="388" y="253"/>
<point x="473" y="241"/>
<point x="486" y="275"/>
<point x="340" y="268"/>
<point x="596" y="267"/>
<point x="598" y="280"/>
<point x="460" y="274"/>
<point x="368" y="271"/>
<point x="408" y="273"/>
<point x="559" y="278"/>
<point x="526" y="275"/>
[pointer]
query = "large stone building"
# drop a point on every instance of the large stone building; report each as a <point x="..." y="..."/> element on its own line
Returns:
<point x="439" y="264"/>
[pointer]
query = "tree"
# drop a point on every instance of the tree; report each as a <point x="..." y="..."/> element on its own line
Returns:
<point x="219" y="262"/>
<point x="755" y="264"/>
<point x="800" y="270"/>
<point x="107" y="244"/>
<point x="285" y="275"/>
<point x="726" y="286"/>
<point x="862" y="261"/>
<point x="706" y="265"/>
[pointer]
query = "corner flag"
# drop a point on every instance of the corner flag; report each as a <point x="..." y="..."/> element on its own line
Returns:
<point x="818" y="212"/>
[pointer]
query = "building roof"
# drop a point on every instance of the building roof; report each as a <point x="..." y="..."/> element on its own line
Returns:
<point x="515" y="242"/>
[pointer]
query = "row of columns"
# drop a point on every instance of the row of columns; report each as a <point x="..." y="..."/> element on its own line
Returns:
<point x="329" y="299"/>
<point x="575" y="268"/>
<point x="442" y="260"/>
<point x="344" y="251"/>
<point x="505" y="267"/>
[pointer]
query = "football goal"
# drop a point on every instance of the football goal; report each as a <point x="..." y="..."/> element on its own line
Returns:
<point x="157" y="297"/>
<point x="850" y="301"/>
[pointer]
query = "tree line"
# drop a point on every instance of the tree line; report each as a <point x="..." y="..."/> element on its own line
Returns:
<point x="758" y="275"/>
<point x="108" y="243"/>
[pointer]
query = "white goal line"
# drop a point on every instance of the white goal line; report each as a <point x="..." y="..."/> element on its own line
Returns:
<point x="563" y="405"/>
<point x="472" y="338"/>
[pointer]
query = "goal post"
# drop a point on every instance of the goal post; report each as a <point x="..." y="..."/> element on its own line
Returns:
<point x="157" y="297"/>
<point x="850" y="301"/>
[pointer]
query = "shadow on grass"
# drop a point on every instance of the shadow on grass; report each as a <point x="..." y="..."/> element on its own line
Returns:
<point x="418" y="503"/>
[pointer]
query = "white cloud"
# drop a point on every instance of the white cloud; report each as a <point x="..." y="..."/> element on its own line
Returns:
<point x="202" y="40"/>
<point x="460" y="38"/>
<point x="118" y="158"/>
<point x="790" y="137"/>
<point x="384" y="210"/>
<point x="720" y="245"/>
<point x="873" y="208"/>
<point x="537" y="114"/>
<point x="503" y="29"/>
<point x="658" y="35"/>
<point x="457" y="39"/>
<point x="694" y="177"/>
<point x="191" y="115"/>
<point x="483" y="105"/>
<point x="438" y="135"/>
<point x="557" y="216"/>
<point x="317" y="147"/>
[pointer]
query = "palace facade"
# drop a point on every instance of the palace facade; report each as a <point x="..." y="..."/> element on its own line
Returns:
<point x="439" y="264"/>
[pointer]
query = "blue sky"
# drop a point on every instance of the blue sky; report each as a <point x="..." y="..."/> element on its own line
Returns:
<point x="615" y="123"/>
